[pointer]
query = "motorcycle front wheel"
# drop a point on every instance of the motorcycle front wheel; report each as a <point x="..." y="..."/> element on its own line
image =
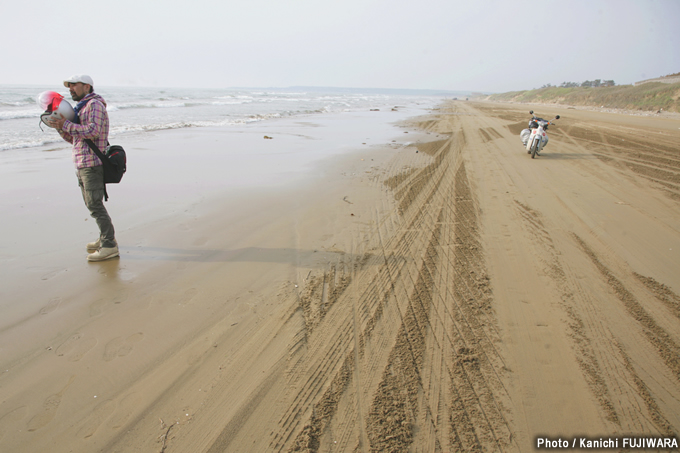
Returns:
<point x="534" y="148"/>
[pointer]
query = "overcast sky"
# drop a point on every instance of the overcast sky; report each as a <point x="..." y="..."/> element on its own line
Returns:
<point x="475" y="45"/>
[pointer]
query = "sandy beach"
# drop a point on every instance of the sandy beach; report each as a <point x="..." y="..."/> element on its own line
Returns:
<point x="369" y="281"/>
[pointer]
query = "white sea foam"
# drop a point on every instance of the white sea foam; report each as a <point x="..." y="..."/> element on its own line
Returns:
<point x="6" y="146"/>
<point x="16" y="114"/>
<point x="233" y="102"/>
<point x="153" y="109"/>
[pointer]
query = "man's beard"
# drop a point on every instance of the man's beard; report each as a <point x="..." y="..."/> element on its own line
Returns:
<point x="76" y="98"/>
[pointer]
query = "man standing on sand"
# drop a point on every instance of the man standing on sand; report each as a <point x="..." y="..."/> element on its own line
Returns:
<point x="91" y="122"/>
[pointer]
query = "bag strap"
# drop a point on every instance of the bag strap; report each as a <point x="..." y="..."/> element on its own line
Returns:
<point x="103" y="158"/>
<point x="96" y="150"/>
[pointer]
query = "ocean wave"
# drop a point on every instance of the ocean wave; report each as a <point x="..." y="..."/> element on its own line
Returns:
<point x="232" y="102"/>
<point x="18" y="114"/>
<point x="19" y="103"/>
<point x="29" y="143"/>
<point x="144" y="109"/>
<point x="127" y="128"/>
<point x="145" y="105"/>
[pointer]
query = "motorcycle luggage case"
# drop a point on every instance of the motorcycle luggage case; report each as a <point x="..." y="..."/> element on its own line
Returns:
<point x="524" y="135"/>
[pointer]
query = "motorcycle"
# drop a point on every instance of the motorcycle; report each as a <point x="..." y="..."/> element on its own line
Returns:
<point x="535" y="137"/>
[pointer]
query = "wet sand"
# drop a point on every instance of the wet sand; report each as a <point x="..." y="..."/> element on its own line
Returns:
<point x="335" y="290"/>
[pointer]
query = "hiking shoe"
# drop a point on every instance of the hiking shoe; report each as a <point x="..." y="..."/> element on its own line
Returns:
<point x="96" y="245"/>
<point x="103" y="253"/>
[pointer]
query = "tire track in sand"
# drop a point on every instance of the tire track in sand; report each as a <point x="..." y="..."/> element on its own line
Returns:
<point x="578" y="325"/>
<point x="662" y="293"/>
<point x="429" y="304"/>
<point x="666" y="347"/>
<point x="380" y="306"/>
<point x="378" y="310"/>
<point x="662" y="343"/>
<point x="605" y="365"/>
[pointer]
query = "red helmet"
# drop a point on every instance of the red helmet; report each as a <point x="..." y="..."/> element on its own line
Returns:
<point x="55" y="105"/>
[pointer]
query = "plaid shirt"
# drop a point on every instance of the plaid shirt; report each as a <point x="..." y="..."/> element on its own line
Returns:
<point x="94" y="124"/>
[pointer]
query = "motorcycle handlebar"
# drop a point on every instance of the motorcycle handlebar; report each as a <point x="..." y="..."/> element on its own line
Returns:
<point x="534" y="117"/>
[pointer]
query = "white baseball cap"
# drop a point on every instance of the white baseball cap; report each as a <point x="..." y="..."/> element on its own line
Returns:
<point x="79" y="78"/>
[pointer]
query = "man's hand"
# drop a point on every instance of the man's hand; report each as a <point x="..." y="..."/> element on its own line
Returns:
<point x="57" y="123"/>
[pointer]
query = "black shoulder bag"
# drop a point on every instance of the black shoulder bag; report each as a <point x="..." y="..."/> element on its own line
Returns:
<point x="114" y="162"/>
